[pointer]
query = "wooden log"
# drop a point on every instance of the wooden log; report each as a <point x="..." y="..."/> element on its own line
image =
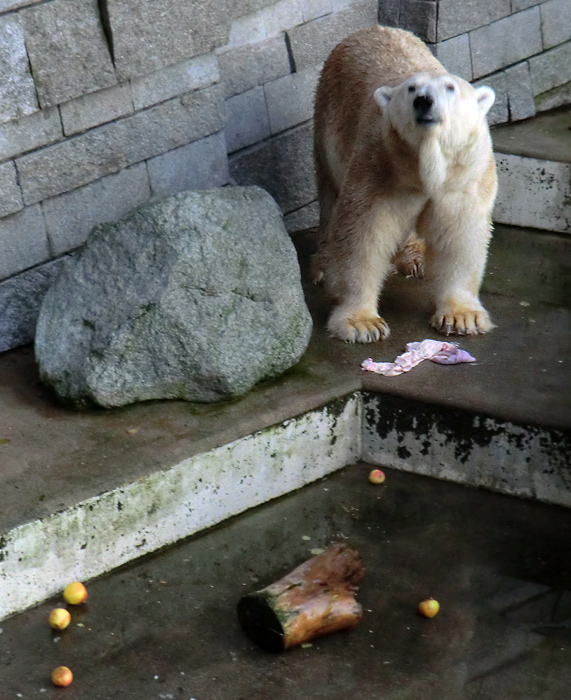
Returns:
<point x="315" y="599"/>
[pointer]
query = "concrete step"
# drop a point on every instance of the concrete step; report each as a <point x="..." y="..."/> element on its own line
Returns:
<point x="166" y="627"/>
<point x="534" y="171"/>
<point x="81" y="494"/>
<point x="84" y="493"/>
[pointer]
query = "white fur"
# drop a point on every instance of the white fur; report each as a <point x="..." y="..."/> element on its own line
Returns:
<point x="450" y="207"/>
<point x="432" y="165"/>
<point x="456" y="102"/>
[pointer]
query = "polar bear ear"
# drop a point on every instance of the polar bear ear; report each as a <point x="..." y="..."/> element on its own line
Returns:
<point x="486" y="98"/>
<point x="383" y="95"/>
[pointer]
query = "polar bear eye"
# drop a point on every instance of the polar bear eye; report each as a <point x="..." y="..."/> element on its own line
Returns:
<point x="450" y="87"/>
<point x="411" y="88"/>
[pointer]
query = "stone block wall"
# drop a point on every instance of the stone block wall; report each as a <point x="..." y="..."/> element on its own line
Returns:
<point x="521" y="48"/>
<point x="107" y="103"/>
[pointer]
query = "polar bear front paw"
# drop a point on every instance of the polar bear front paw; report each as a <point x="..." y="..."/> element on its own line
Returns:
<point x="358" y="328"/>
<point x="462" y="321"/>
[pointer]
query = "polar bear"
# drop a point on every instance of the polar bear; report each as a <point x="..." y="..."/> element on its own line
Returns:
<point x="401" y="146"/>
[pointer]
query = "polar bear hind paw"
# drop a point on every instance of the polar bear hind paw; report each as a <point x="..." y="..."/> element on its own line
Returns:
<point x="462" y="322"/>
<point x="359" y="328"/>
<point x="409" y="260"/>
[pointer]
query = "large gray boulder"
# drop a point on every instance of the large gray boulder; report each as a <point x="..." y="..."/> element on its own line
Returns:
<point x="196" y="297"/>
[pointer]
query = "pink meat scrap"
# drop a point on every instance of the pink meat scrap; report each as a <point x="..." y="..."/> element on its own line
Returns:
<point x="439" y="351"/>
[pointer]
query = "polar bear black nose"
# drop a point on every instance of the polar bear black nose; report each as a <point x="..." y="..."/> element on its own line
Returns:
<point x="422" y="103"/>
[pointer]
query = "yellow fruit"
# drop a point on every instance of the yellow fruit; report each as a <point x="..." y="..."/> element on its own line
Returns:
<point x="376" y="476"/>
<point x="429" y="607"/>
<point x="62" y="676"/>
<point x="59" y="618"/>
<point x="75" y="593"/>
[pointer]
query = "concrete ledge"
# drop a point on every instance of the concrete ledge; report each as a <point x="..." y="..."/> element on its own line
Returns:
<point x="534" y="172"/>
<point x="533" y="193"/>
<point x="466" y="448"/>
<point x="101" y="533"/>
<point x="545" y="137"/>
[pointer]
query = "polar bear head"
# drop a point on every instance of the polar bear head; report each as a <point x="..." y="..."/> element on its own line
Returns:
<point x="425" y="102"/>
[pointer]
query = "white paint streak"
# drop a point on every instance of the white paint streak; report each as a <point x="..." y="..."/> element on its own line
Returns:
<point x="104" y="532"/>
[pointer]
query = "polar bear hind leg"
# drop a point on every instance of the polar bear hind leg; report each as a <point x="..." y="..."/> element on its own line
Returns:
<point x="409" y="259"/>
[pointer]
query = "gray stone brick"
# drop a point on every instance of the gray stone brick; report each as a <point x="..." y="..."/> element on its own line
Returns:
<point x="23" y="241"/>
<point x="96" y="108"/>
<point x="17" y="91"/>
<point x="248" y="120"/>
<point x="389" y="12"/>
<point x="459" y="16"/>
<point x="20" y="300"/>
<point x="518" y="5"/>
<point x="454" y="54"/>
<point x="553" y="98"/>
<point x="555" y="22"/>
<point x="520" y="96"/>
<point x="499" y="113"/>
<point x="246" y="30"/>
<point x="267" y="22"/>
<point x="551" y="69"/>
<point x="282" y="16"/>
<point x="302" y="219"/>
<point x="186" y="76"/>
<point x="249" y="66"/>
<point x="10" y="195"/>
<point x="200" y="165"/>
<point x="150" y="35"/>
<point x="282" y="166"/>
<point x="67" y="49"/>
<point x="30" y="132"/>
<point x="312" y="9"/>
<point x="339" y="5"/>
<point x="71" y="216"/>
<point x="6" y="5"/>
<point x="112" y="147"/>
<point x="505" y="42"/>
<point x="311" y="43"/>
<point x="419" y="17"/>
<point x="239" y="8"/>
<point x="290" y="99"/>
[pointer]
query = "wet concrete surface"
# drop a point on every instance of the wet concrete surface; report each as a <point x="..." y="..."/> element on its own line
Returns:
<point x="523" y="370"/>
<point x="522" y="374"/>
<point x="166" y="626"/>
<point x="546" y="136"/>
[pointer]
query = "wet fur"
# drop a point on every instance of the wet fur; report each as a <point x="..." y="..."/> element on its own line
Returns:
<point x="379" y="188"/>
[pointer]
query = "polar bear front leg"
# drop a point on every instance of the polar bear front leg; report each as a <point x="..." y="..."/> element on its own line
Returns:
<point x="461" y="316"/>
<point x="457" y="229"/>
<point x="356" y="321"/>
<point x="357" y="261"/>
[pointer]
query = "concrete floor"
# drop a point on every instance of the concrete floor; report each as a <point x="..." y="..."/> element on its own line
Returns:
<point x="522" y="374"/>
<point x="166" y="626"/>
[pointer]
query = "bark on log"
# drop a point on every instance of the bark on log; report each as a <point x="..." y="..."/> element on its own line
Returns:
<point x="315" y="599"/>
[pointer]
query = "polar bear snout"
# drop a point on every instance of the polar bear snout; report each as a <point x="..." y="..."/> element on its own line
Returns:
<point x="425" y="110"/>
